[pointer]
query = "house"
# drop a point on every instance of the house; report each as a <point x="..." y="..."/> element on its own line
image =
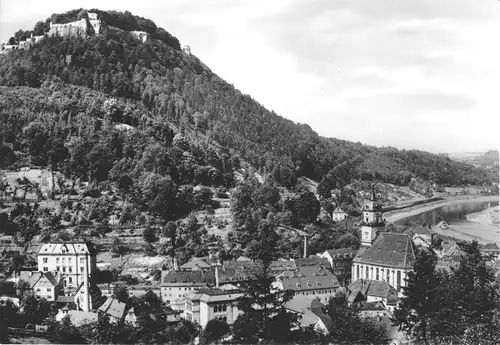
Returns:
<point x="338" y="215"/>
<point x="213" y="303"/>
<point x="196" y="265"/>
<point x="114" y="309"/>
<point x="491" y="249"/>
<point x="367" y="290"/>
<point x="340" y="262"/>
<point x="389" y="259"/>
<point x="312" y="261"/>
<point x="311" y="312"/>
<point x="78" y="318"/>
<point x="168" y="316"/>
<point x="279" y="266"/>
<point x="46" y="285"/>
<point x="317" y="282"/>
<point x="422" y="235"/>
<point x="379" y="315"/>
<point x="175" y="284"/>
<point x="70" y="259"/>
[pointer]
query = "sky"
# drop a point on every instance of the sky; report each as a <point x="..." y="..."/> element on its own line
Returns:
<point x="419" y="74"/>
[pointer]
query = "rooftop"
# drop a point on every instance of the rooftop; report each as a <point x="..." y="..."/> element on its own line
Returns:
<point x="389" y="249"/>
<point x="375" y="288"/>
<point x="113" y="308"/>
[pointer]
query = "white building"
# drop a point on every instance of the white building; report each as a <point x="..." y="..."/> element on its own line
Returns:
<point x="338" y="215"/>
<point x="69" y="259"/>
<point x="386" y="257"/>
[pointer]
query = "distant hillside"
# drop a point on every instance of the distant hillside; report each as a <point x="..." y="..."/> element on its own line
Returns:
<point x="156" y="80"/>
<point x="485" y="160"/>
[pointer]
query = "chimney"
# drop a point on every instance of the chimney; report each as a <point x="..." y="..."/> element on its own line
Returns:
<point x="217" y="274"/>
<point x="86" y="298"/>
<point x="305" y="247"/>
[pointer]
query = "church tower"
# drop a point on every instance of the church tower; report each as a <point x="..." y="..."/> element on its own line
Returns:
<point x="372" y="219"/>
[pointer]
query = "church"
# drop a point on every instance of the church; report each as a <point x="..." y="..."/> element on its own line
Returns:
<point x="383" y="256"/>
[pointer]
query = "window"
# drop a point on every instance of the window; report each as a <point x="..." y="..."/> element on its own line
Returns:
<point x="64" y="261"/>
<point x="366" y="273"/>
<point x="357" y="271"/>
<point x="64" y="269"/>
<point x="399" y="280"/>
<point x="70" y="269"/>
<point x="49" y="289"/>
<point x="69" y="261"/>
<point x="45" y="269"/>
<point x="58" y="268"/>
<point x="82" y="260"/>
<point x="70" y="279"/>
<point x="378" y="277"/>
<point x="44" y="260"/>
<point x="82" y="269"/>
<point x="57" y="260"/>
<point x="388" y="275"/>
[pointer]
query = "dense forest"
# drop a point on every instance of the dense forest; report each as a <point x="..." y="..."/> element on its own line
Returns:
<point x="72" y="81"/>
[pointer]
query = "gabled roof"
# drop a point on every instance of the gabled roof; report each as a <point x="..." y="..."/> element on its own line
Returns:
<point x="339" y="210"/>
<point x="389" y="249"/>
<point x="34" y="278"/>
<point x="312" y="261"/>
<point x="422" y="230"/>
<point x="327" y="281"/>
<point x="342" y="252"/>
<point x="195" y="263"/>
<point x="491" y="246"/>
<point x="375" y="288"/>
<point x="279" y="265"/>
<point x="70" y="247"/>
<point x="199" y="278"/>
<point x="113" y="308"/>
<point x="310" y="309"/>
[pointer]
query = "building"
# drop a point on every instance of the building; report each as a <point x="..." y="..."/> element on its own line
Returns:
<point x="114" y="309"/>
<point x="372" y="220"/>
<point x="317" y="282"/>
<point x="385" y="257"/>
<point x="196" y="265"/>
<point x="168" y="316"/>
<point x="279" y="266"/>
<point x="311" y="312"/>
<point x="46" y="285"/>
<point x="341" y="261"/>
<point x="389" y="259"/>
<point x="338" y="215"/>
<point x="367" y="290"/>
<point x="422" y="235"/>
<point x="69" y="259"/>
<point x="491" y="249"/>
<point x="215" y="303"/>
<point x="78" y="318"/>
<point x="175" y="284"/>
<point x="42" y="177"/>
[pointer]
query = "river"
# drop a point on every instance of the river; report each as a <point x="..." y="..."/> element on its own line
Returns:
<point x="467" y="221"/>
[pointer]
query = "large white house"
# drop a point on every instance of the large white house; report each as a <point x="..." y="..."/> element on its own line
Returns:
<point x="68" y="258"/>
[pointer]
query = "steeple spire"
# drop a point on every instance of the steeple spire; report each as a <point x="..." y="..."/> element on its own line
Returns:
<point x="373" y="195"/>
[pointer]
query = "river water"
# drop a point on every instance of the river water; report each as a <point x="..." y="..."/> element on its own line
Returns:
<point x="467" y="221"/>
<point x="452" y="214"/>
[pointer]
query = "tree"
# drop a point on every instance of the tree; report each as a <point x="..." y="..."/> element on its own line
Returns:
<point x="66" y="333"/>
<point x="35" y="310"/>
<point x="120" y="292"/>
<point x="262" y="304"/>
<point x="348" y="326"/>
<point x="182" y="332"/>
<point x="149" y="235"/>
<point x="116" y="246"/>
<point x="215" y="329"/>
<point x="419" y="301"/>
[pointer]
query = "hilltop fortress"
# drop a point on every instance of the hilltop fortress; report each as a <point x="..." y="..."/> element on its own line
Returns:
<point x="89" y="25"/>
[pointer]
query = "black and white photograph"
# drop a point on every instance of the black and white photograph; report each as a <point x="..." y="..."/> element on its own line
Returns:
<point x="234" y="172"/>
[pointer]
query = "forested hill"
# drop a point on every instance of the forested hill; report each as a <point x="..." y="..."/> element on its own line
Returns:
<point x="80" y="89"/>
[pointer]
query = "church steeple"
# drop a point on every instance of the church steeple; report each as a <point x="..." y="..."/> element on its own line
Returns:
<point x="372" y="219"/>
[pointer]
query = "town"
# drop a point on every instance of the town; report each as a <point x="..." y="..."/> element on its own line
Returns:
<point x="145" y="200"/>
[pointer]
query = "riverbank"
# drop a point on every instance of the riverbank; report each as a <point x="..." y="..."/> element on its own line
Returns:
<point x="396" y="215"/>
